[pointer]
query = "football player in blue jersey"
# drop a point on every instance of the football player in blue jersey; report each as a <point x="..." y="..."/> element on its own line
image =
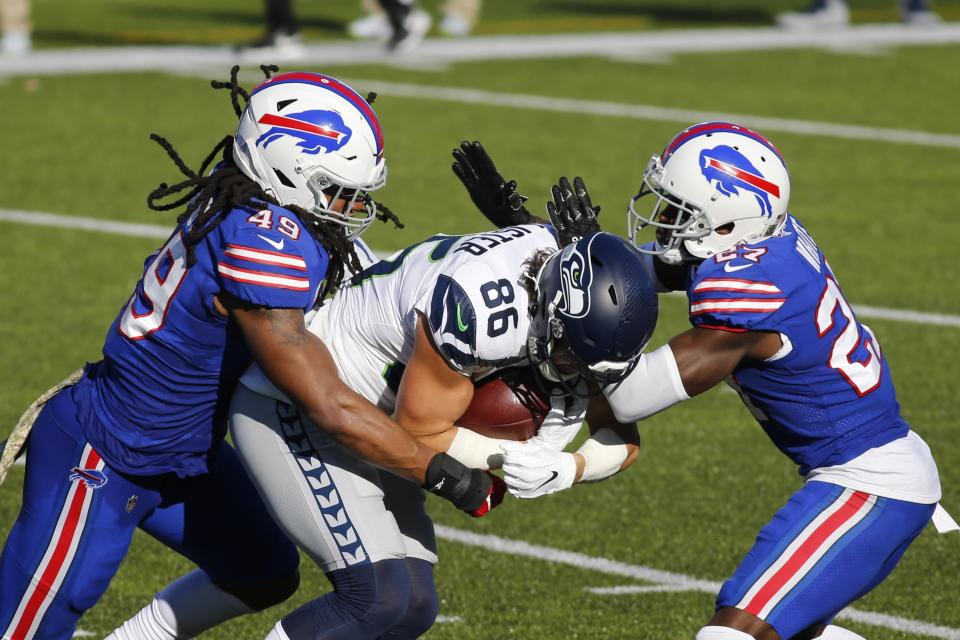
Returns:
<point x="770" y="319"/>
<point x="138" y="440"/>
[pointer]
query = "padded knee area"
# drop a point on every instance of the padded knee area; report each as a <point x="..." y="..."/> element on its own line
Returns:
<point x="424" y="603"/>
<point x="269" y="581"/>
<point x="367" y="601"/>
<point x="722" y="633"/>
<point x="420" y="616"/>
<point x="267" y="594"/>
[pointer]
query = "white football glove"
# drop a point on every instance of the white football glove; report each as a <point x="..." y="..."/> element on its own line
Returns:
<point x="562" y="422"/>
<point x="532" y="470"/>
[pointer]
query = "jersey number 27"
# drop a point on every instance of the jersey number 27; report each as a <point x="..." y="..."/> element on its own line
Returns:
<point x="864" y="377"/>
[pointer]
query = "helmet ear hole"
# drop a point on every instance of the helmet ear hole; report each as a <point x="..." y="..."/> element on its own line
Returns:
<point x="284" y="180"/>
<point x="613" y="294"/>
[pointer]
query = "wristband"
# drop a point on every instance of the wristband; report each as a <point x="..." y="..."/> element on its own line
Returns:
<point x="476" y="450"/>
<point x="448" y="478"/>
<point x="603" y="454"/>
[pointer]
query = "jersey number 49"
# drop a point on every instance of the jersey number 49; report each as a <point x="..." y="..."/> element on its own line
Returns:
<point x="161" y="279"/>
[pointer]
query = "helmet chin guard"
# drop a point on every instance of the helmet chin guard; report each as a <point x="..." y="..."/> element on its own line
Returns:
<point x="594" y="310"/>
<point x="715" y="185"/>
<point x="313" y="142"/>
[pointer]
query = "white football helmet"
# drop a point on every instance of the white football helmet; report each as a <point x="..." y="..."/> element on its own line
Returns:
<point x="716" y="184"/>
<point x="308" y="140"/>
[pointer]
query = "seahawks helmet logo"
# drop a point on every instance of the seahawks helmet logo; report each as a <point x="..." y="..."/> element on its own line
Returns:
<point x="575" y="277"/>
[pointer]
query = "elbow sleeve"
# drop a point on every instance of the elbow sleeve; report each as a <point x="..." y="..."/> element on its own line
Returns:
<point x="651" y="387"/>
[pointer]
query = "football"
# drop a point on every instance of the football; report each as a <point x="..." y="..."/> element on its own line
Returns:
<point x="509" y="407"/>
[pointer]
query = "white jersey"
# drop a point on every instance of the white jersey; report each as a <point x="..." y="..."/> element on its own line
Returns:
<point x="468" y="290"/>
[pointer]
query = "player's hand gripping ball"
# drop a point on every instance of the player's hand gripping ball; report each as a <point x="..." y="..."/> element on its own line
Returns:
<point x="510" y="406"/>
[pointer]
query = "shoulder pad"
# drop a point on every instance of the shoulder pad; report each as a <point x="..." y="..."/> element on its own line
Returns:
<point x="453" y="324"/>
<point x="733" y="290"/>
<point x="269" y="258"/>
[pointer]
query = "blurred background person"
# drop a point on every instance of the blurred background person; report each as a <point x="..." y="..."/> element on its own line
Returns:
<point x="283" y="30"/>
<point x="14" y="27"/>
<point x="836" y="13"/>
<point x="403" y="24"/>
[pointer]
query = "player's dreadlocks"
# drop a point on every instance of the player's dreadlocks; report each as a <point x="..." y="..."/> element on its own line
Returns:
<point x="211" y="197"/>
<point x="531" y="269"/>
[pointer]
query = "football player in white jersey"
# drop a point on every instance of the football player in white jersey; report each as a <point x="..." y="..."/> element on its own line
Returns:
<point x="771" y="320"/>
<point x="412" y="334"/>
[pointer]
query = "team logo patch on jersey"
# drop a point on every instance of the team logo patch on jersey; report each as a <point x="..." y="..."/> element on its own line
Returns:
<point x="732" y="171"/>
<point x="93" y="478"/>
<point x="318" y="130"/>
<point x="575" y="277"/>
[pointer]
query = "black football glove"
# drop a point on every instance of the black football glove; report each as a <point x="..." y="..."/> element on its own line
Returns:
<point x="571" y="212"/>
<point x="496" y="199"/>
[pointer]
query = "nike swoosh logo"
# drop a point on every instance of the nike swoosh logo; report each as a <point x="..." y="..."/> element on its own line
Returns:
<point x="553" y="476"/>
<point x="273" y="243"/>
<point x="460" y="325"/>
<point x="729" y="268"/>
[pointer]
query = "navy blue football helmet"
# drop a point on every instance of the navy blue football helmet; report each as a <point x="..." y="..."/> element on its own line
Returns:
<point x="594" y="311"/>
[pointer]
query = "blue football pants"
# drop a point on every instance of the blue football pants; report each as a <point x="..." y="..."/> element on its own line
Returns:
<point x="824" y="549"/>
<point x="78" y="516"/>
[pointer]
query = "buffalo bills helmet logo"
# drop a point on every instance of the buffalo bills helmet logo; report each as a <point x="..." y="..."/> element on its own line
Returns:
<point x="93" y="478"/>
<point x="575" y="277"/>
<point x="318" y="130"/>
<point x="732" y="171"/>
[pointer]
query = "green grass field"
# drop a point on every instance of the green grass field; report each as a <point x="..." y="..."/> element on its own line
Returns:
<point x="707" y="478"/>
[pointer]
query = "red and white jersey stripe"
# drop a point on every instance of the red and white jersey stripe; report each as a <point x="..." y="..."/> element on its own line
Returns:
<point x="56" y="561"/>
<point x="735" y="284"/>
<point x="261" y="256"/>
<point x="802" y="555"/>
<point x="734" y="305"/>
<point x="263" y="278"/>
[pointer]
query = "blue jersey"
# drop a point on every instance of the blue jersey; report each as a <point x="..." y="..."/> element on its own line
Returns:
<point x="827" y="396"/>
<point x="157" y="401"/>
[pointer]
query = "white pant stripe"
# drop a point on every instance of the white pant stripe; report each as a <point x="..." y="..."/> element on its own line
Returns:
<point x="761" y="604"/>
<point x="58" y="556"/>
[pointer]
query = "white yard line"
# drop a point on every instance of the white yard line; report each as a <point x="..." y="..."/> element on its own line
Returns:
<point x="189" y="60"/>
<point x="664" y="581"/>
<point x="903" y="315"/>
<point x="633" y="589"/>
<point x="656" y="114"/>
<point x="134" y="229"/>
<point x="637" y="45"/>
<point x="652" y="113"/>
